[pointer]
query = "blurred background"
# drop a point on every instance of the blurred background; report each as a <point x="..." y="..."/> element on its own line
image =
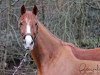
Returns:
<point x="74" y="21"/>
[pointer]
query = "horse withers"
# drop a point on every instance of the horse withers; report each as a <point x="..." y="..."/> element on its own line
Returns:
<point x="51" y="55"/>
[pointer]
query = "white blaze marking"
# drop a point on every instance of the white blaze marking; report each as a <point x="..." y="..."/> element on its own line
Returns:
<point x="28" y="29"/>
<point x="28" y="39"/>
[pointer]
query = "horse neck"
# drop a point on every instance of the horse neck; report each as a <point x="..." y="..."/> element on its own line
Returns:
<point x="46" y="46"/>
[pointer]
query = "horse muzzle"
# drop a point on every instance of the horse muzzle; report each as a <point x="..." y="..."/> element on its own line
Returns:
<point x="28" y="42"/>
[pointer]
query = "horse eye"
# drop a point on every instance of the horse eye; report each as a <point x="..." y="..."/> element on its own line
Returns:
<point x="35" y="23"/>
<point x="21" y="24"/>
<point x="31" y="43"/>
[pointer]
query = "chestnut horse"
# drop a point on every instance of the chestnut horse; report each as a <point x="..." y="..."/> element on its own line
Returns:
<point x="53" y="56"/>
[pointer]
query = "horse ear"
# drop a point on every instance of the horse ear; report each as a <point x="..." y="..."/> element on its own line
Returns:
<point x="35" y="10"/>
<point x="23" y="9"/>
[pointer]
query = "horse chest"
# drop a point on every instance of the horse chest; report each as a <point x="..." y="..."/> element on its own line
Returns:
<point x="61" y="67"/>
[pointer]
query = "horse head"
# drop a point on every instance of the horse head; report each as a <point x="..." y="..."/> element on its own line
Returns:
<point x="28" y="26"/>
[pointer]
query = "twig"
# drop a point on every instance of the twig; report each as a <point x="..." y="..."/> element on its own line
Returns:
<point x="92" y="6"/>
<point x="3" y="10"/>
<point x="15" y="35"/>
<point x="23" y="60"/>
<point x="14" y="3"/>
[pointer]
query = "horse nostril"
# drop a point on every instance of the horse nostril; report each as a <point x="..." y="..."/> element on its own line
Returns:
<point x="31" y="43"/>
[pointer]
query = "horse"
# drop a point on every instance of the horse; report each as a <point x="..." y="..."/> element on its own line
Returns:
<point x="52" y="55"/>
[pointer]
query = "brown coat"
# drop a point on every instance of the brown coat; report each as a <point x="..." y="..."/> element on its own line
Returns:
<point x="55" y="57"/>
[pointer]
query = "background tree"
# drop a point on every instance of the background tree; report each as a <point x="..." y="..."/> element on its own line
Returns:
<point x="75" y="21"/>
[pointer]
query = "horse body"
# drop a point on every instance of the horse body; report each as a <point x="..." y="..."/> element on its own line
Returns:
<point x="86" y="54"/>
<point x="55" y="57"/>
